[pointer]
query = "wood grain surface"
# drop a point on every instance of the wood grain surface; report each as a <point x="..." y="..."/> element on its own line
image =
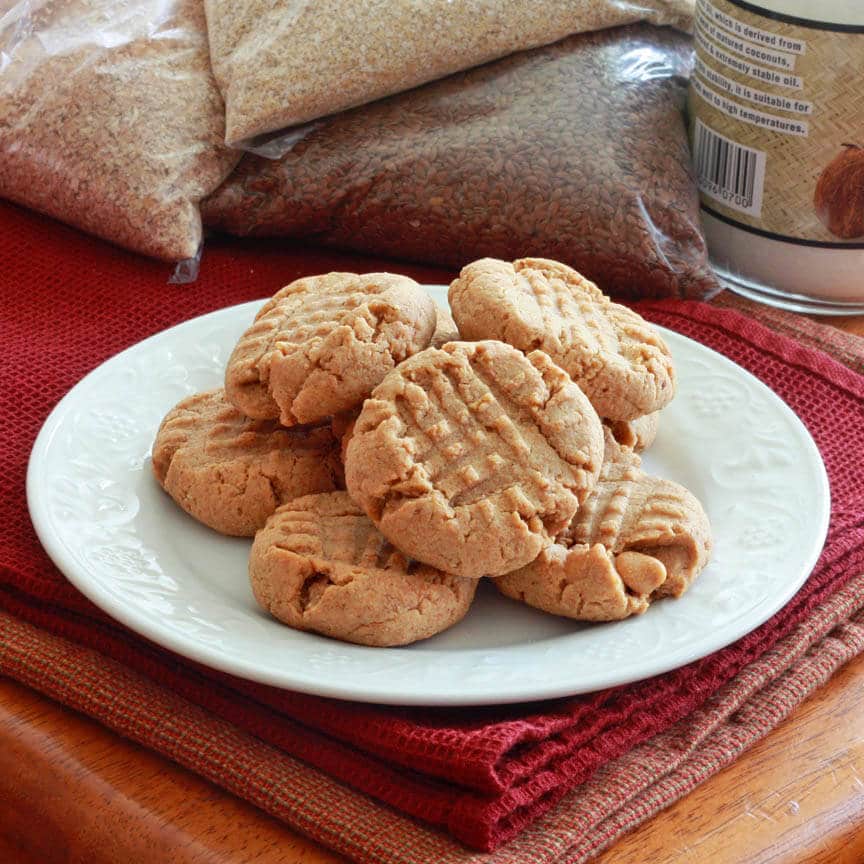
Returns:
<point x="73" y="792"/>
<point x="849" y="323"/>
<point x="797" y="797"/>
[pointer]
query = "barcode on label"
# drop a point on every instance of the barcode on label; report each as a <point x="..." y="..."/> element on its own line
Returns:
<point x="728" y="171"/>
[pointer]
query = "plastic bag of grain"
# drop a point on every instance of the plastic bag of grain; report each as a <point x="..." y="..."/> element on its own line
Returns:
<point x="284" y="62"/>
<point x="576" y="151"/>
<point x="110" y="119"/>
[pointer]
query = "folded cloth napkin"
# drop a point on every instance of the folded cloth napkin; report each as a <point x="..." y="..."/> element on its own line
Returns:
<point x="483" y="774"/>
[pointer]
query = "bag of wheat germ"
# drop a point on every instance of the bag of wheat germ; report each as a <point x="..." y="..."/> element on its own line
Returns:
<point x="110" y="119"/>
<point x="280" y="63"/>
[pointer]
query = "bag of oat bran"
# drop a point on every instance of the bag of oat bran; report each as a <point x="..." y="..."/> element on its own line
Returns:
<point x="576" y="151"/>
<point x="110" y="119"/>
<point x="284" y="62"/>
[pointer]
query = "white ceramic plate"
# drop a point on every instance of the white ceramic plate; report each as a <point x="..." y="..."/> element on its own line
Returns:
<point x="114" y="533"/>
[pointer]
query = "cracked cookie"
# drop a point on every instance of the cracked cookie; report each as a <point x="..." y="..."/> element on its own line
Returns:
<point x="320" y="565"/>
<point x="473" y="457"/>
<point x="637" y="538"/>
<point x="321" y="344"/>
<point x="231" y="472"/>
<point x="615" y="356"/>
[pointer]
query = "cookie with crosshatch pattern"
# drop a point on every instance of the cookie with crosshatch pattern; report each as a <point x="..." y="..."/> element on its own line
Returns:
<point x="321" y="344"/>
<point x="636" y="539"/>
<point x="320" y="565"/>
<point x="474" y="456"/>
<point x="615" y="356"/>
<point x="231" y="472"/>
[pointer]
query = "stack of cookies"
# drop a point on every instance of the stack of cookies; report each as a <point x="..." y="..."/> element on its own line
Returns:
<point x="386" y="457"/>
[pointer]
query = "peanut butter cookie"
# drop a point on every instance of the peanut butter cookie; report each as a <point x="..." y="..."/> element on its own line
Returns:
<point x="637" y="538"/>
<point x="615" y="356"/>
<point x="319" y="564"/>
<point x="473" y="457"/>
<point x="321" y="344"/>
<point x="230" y="472"/>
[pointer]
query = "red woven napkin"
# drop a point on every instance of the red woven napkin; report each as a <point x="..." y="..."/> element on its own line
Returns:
<point x="69" y="302"/>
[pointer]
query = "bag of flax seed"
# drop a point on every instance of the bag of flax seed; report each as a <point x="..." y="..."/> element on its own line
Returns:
<point x="575" y="151"/>
<point x="110" y="119"/>
<point x="280" y="63"/>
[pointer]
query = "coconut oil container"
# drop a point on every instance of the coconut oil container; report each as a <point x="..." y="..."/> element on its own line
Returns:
<point x="776" y="107"/>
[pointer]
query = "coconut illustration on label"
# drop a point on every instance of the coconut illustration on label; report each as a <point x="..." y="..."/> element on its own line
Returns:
<point x="839" y="195"/>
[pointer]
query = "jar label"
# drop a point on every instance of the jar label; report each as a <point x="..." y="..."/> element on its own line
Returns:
<point x="776" y="107"/>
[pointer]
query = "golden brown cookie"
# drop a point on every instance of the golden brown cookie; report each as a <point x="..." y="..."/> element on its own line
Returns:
<point x="638" y="434"/>
<point x="230" y="472"/>
<point x="636" y="538"/>
<point x="473" y="457"/>
<point x="321" y="344"/>
<point x="615" y="356"/>
<point x="319" y="564"/>
<point x="445" y="328"/>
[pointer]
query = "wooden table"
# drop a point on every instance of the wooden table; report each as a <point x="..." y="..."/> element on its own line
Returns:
<point x="71" y="791"/>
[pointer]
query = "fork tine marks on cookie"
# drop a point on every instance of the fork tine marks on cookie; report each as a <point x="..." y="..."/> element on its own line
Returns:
<point x="320" y="565"/>
<point x="471" y="443"/>
<point x="617" y="357"/>
<point x="231" y="472"/>
<point x="322" y="343"/>
<point x="638" y="538"/>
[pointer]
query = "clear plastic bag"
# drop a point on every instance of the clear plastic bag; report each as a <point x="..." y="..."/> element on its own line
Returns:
<point x="110" y="119"/>
<point x="280" y="64"/>
<point x="576" y="151"/>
